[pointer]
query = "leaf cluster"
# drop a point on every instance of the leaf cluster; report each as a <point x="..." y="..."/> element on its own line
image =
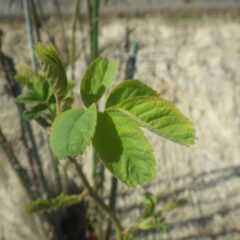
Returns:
<point x="41" y="87"/>
<point x="61" y="201"/>
<point x="152" y="219"/>
<point x="116" y="132"/>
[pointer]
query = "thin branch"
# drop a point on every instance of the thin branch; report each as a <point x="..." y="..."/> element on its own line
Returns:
<point x="53" y="163"/>
<point x="43" y="122"/>
<point x="58" y="105"/>
<point x="112" y="203"/>
<point x="37" y="160"/>
<point x="131" y="63"/>
<point x="129" y="74"/>
<point x="73" y="40"/>
<point x="36" y="20"/>
<point x="15" y="90"/>
<point x="83" y="38"/>
<point x="94" y="32"/>
<point x="30" y="156"/>
<point x="29" y="26"/>
<point x="90" y="31"/>
<point x="23" y="178"/>
<point x="8" y="67"/>
<point x="63" y="31"/>
<point x="28" y="19"/>
<point x="17" y="167"/>
<point x="41" y="19"/>
<point x="97" y="168"/>
<point x="89" y="9"/>
<point x="98" y="201"/>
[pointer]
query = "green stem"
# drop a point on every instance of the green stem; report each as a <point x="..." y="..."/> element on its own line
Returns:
<point x="58" y="105"/>
<point x="42" y="23"/>
<point x="28" y="19"/>
<point x="112" y="203"/>
<point x="82" y="38"/>
<point x="98" y="201"/>
<point x="94" y="170"/>
<point x="131" y="63"/>
<point x="29" y="25"/>
<point x="93" y="12"/>
<point x="98" y="170"/>
<point x="99" y="188"/>
<point x="129" y="74"/>
<point x="73" y="40"/>
<point x="89" y="10"/>
<point x="36" y="20"/>
<point x="94" y="27"/>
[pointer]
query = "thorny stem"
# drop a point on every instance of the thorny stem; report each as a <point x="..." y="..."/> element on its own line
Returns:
<point x="98" y="201"/>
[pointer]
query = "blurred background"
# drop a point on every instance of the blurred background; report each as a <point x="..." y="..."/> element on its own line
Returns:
<point x="189" y="51"/>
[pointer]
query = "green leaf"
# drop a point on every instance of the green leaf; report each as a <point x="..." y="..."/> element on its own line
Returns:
<point x="161" y="117"/>
<point x="37" y="85"/>
<point x="52" y="67"/>
<point x="123" y="148"/>
<point x="146" y="224"/>
<point x="34" y="112"/>
<point x="153" y="222"/>
<point x="67" y="103"/>
<point x="150" y="202"/>
<point x="175" y="203"/>
<point x="97" y="79"/>
<point x="161" y="226"/>
<point x="40" y="86"/>
<point x="129" y="89"/>
<point x="29" y="97"/>
<point x="72" y="132"/>
<point x="24" y="74"/>
<point x="128" y="237"/>
<point x="38" y="92"/>
<point x="61" y="201"/>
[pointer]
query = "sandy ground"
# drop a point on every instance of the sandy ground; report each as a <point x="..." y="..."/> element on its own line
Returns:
<point x="194" y="64"/>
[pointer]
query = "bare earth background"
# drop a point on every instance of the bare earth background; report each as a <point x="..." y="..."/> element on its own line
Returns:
<point x="193" y="63"/>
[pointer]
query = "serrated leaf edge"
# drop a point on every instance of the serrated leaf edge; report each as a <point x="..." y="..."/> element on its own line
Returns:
<point x="145" y="125"/>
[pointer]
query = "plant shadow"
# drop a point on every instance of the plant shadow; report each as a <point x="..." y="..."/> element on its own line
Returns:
<point x="203" y="183"/>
